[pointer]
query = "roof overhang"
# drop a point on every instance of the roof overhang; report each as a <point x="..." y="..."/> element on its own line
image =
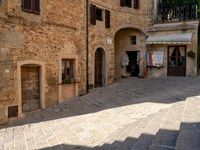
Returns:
<point x="174" y="39"/>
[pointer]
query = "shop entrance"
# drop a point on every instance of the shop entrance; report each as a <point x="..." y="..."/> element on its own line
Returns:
<point x="133" y="66"/>
<point x="176" y="61"/>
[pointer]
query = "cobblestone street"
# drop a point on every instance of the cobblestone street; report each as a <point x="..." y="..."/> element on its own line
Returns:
<point x="117" y="117"/>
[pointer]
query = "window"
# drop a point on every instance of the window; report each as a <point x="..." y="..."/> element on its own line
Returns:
<point x="133" y="40"/>
<point x="99" y="15"/>
<point x="31" y="6"/>
<point x="107" y="18"/>
<point x="68" y="70"/>
<point x="130" y="3"/>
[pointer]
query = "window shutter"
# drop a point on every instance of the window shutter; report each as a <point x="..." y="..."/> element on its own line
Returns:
<point x="26" y="5"/>
<point x="122" y="3"/>
<point x="93" y="14"/>
<point x="22" y="4"/>
<point x="107" y="18"/>
<point x="136" y="4"/>
<point x="36" y="6"/>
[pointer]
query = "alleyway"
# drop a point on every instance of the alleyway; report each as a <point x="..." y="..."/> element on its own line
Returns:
<point x="126" y="115"/>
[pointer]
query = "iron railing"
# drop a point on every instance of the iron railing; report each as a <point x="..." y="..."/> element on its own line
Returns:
<point x="184" y="13"/>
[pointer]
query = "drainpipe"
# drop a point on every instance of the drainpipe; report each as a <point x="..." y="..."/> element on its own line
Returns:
<point x="87" y="47"/>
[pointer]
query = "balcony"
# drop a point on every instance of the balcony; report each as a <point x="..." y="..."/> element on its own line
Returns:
<point x="178" y="14"/>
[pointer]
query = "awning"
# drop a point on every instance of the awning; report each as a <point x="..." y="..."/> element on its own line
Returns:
<point x="175" y="39"/>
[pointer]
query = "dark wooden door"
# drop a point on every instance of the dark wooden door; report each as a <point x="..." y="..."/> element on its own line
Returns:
<point x="30" y="88"/>
<point x="98" y="68"/>
<point x="177" y="61"/>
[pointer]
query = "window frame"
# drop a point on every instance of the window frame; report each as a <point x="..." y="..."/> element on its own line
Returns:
<point x="127" y="5"/>
<point x="131" y="40"/>
<point x="134" y="4"/>
<point x="33" y="8"/>
<point x="100" y="16"/>
<point x="67" y="72"/>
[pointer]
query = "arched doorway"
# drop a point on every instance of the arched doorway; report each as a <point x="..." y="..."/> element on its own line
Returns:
<point x="130" y="49"/>
<point x="100" y="68"/>
<point x="30" y="87"/>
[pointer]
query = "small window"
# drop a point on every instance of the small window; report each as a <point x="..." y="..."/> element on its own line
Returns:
<point x="128" y="3"/>
<point x="67" y="70"/>
<point x="99" y="14"/>
<point x="31" y="6"/>
<point x="133" y="40"/>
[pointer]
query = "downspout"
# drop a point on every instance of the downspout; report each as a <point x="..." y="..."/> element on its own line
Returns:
<point x="87" y="47"/>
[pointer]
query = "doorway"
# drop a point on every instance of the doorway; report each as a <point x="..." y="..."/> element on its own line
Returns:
<point x="30" y="83"/>
<point x="133" y="66"/>
<point x="176" y="61"/>
<point x="100" y="69"/>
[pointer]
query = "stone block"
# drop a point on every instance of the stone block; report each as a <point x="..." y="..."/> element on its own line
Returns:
<point x="3" y="118"/>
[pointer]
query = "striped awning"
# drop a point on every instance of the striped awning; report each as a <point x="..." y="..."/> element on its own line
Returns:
<point x="173" y="39"/>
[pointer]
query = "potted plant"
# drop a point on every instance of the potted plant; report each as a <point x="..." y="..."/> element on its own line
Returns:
<point x="69" y="80"/>
<point x="191" y="54"/>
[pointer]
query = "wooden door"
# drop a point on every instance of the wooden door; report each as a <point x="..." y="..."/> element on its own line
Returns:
<point x="30" y="77"/>
<point x="177" y="61"/>
<point x="98" y="68"/>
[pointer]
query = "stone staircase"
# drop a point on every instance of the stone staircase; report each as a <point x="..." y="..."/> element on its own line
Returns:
<point x="189" y="135"/>
<point x="174" y="128"/>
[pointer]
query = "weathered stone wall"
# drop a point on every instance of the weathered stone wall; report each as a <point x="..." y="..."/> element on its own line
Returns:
<point x="121" y="18"/>
<point x="57" y="32"/>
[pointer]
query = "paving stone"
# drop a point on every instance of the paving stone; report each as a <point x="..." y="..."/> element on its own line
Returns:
<point x="114" y="117"/>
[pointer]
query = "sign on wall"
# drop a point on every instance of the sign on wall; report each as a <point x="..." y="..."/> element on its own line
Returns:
<point x="155" y="58"/>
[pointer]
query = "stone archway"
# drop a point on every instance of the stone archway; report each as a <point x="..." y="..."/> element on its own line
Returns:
<point x="129" y="43"/>
<point x="99" y="68"/>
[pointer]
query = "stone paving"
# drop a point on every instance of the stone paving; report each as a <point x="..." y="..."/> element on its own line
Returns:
<point x="104" y="119"/>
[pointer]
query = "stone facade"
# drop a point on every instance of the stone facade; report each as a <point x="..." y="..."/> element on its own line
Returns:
<point x="175" y="28"/>
<point x="43" y="40"/>
<point x="121" y="18"/>
<point x="59" y="33"/>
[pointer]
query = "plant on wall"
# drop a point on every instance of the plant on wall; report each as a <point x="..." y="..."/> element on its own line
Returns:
<point x="191" y="54"/>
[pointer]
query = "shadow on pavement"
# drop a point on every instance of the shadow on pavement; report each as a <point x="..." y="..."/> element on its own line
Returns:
<point x="127" y="92"/>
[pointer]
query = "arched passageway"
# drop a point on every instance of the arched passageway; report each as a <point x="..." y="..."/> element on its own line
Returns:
<point x="130" y="49"/>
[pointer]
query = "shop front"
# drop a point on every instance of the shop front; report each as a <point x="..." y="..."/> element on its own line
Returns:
<point x="169" y="55"/>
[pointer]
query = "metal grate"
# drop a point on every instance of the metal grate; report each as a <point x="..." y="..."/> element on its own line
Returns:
<point x="12" y="111"/>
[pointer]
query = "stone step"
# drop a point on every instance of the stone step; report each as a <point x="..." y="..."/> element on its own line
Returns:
<point x="126" y="136"/>
<point x="167" y="135"/>
<point x="189" y="135"/>
<point x="148" y="135"/>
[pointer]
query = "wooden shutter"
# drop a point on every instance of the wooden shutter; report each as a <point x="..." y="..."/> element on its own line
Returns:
<point x="22" y="4"/>
<point x="36" y="8"/>
<point x="136" y="4"/>
<point x="26" y="5"/>
<point x="93" y="14"/>
<point x="122" y="3"/>
<point x="107" y="18"/>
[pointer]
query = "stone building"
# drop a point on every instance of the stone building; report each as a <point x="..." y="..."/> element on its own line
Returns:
<point x="118" y="28"/>
<point x="174" y="35"/>
<point x="43" y="48"/>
